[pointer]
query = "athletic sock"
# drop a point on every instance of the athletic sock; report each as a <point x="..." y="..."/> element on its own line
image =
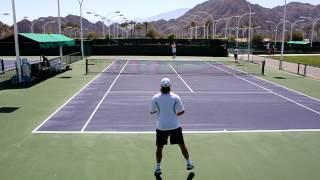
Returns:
<point x="189" y="161"/>
<point x="158" y="166"/>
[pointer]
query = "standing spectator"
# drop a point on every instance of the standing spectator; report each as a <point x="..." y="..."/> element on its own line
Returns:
<point x="174" y="50"/>
<point x="236" y="53"/>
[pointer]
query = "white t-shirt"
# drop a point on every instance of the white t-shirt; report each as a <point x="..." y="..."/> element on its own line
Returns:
<point x="174" y="48"/>
<point x="166" y="106"/>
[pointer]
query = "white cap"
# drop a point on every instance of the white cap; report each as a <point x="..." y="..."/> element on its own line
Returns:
<point x="165" y="82"/>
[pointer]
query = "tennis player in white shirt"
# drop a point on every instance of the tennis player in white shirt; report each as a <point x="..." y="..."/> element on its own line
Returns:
<point x="168" y="106"/>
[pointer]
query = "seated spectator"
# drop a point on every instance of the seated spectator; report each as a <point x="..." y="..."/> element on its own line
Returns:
<point x="45" y="61"/>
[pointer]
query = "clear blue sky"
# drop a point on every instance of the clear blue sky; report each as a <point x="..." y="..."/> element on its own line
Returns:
<point x="130" y="8"/>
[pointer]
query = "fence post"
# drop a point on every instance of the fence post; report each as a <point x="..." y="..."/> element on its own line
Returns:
<point x="86" y="66"/>
<point x="305" y="70"/>
<point x="263" y="66"/>
<point x="2" y="66"/>
<point x="298" y="72"/>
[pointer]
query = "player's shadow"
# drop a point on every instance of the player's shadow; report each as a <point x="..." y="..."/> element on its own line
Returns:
<point x="158" y="177"/>
<point x="191" y="176"/>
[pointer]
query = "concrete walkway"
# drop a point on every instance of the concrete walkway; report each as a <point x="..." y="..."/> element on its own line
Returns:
<point x="305" y="70"/>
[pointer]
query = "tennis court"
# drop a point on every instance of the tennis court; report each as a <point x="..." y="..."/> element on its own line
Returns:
<point x="217" y="98"/>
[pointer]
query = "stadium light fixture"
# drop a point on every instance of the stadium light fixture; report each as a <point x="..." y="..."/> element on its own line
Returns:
<point x="283" y="33"/>
<point x="276" y="30"/>
<point x="212" y="20"/>
<point x="81" y="26"/>
<point x="249" y="33"/>
<point x="312" y="33"/>
<point x="45" y="25"/>
<point x="292" y="25"/>
<point x="228" y="25"/>
<point x="69" y="27"/>
<point x="204" y="25"/>
<point x="103" y="19"/>
<point x="188" y="22"/>
<point x="216" y="22"/>
<point x="114" y="28"/>
<point x="273" y="28"/>
<point x="59" y="27"/>
<point x="239" y="20"/>
<point x="33" y="23"/>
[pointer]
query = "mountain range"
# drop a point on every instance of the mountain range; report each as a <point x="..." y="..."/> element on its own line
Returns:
<point x="217" y="8"/>
<point x="227" y="8"/>
<point x="165" y="16"/>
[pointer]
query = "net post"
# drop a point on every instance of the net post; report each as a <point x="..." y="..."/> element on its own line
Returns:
<point x="2" y="66"/>
<point x="298" y="72"/>
<point x="305" y="71"/>
<point x="86" y="66"/>
<point x="263" y="67"/>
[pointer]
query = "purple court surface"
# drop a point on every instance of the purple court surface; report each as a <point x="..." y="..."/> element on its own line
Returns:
<point x="228" y="102"/>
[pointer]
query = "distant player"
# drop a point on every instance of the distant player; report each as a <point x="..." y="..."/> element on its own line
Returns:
<point x="268" y="47"/>
<point x="168" y="107"/>
<point x="236" y="53"/>
<point x="174" y="50"/>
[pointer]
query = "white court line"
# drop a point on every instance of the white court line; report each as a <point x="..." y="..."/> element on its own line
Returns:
<point x="183" y="92"/>
<point x="182" y="79"/>
<point x="105" y="95"/>
<point x="288" y="99"/>
<point x="275" y="84"/>
<point x="142" y="92"/>
<point x="232" y="92"/>
<point x="84" y="87"/>
<point x="185" y="132"/>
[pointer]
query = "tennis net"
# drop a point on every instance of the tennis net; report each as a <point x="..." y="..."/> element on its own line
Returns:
<point x="71" y="58"/>
<point x="150" y="67"/>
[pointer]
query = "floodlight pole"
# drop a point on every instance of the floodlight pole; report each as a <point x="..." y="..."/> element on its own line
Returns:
<point x="283" y="33"/>
<point x="16" y="40"/>
<point x="276" y="34"/>
<point x="272" y="29"/>
<point x="292" y="25"/>
<point x="226" y="28"/>
<point x="239" y="20"/>
<point x="81" y="30"/>
<point x="215" y="27"/>
<point x="59" y="27"/>
<point x="312" y="33"/>
<point x="249" y="31"/>
<point x="32" y="25"/>
<point x="45" y="25"/>
<point x="211" y="17"/>
<point x="186" y="28"/>
<point x="204" y="26"/>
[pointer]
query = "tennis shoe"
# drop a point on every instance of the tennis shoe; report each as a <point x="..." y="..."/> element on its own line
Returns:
<point x="157" y="171"/>
<point x="190" y="166"/>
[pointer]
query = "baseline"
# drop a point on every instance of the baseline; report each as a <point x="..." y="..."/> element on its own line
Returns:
<point x="185" y="132"/>
<point x="183" y="92"/>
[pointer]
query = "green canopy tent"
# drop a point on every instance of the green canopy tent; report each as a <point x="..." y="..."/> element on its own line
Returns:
<point x="298" y="42"/>
<point x="49" y="40"/>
